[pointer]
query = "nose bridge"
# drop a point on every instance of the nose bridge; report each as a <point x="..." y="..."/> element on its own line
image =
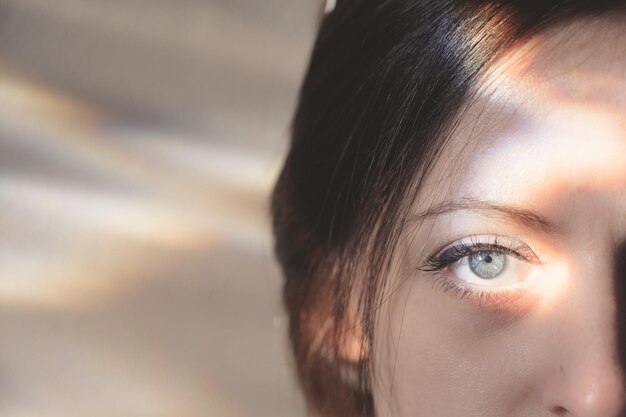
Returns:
<point x="589" y="381"/>
<point x="595" y="362"/>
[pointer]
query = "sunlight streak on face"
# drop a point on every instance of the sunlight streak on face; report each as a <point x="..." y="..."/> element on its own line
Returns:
<point x="551" y="128"/>
<point x="534" y="172"/>
<point x="553" y="286"/>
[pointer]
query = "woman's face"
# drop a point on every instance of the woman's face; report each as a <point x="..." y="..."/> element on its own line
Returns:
<point x="506" y="295"/>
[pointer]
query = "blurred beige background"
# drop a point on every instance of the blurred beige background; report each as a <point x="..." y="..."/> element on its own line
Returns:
<point x="138" y="142"/>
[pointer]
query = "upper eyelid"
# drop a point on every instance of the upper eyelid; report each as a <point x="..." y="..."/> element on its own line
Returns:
<point x="487" y="240"/>
<point x="474" y="247"/>
<point x="433" y="261"/>
<point x="480" y="247"/>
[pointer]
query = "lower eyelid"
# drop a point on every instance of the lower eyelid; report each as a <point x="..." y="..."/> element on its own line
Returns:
<point x="519" y="301"/>
<point x="514" y="299"/>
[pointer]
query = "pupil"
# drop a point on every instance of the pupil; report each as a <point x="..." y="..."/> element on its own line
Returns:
<point x="488" y="259"/>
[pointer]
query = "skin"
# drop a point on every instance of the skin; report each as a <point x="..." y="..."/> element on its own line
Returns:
<point x="547" y="135"/>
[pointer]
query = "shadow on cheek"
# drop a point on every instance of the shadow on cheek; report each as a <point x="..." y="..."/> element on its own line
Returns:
<point x="620" y="301"/>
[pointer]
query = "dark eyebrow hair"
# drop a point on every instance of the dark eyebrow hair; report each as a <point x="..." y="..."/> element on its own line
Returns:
<point x="519" y="215"/>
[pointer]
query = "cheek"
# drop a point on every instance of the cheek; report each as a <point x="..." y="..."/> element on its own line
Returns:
<point x="436" y="352"/>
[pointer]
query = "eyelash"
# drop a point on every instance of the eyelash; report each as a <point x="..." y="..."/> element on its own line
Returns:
<point x="444" y="258"/>
<point x="452" y="254"/>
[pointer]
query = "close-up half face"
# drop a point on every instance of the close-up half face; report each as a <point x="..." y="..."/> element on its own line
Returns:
<point x="507" y="291"/>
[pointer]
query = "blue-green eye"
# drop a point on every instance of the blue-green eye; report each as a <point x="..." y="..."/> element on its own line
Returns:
<point x="491" y="268"/>
<point x="485" y="261"/>
<point x="487" y="264"/>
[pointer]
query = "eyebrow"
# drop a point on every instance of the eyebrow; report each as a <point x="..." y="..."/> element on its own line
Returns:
<point x="521" y="216"/>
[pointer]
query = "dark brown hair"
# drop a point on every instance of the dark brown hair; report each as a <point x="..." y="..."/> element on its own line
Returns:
<point x="386" y="82"/>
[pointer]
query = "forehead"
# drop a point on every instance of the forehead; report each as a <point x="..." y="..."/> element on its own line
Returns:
<point x="549" y="115"/>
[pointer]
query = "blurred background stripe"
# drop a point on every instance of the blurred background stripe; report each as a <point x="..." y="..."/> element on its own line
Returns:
<point x="138" y="142"/>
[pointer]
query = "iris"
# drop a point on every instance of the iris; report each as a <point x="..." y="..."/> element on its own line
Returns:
<point x="487" y="264"/>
